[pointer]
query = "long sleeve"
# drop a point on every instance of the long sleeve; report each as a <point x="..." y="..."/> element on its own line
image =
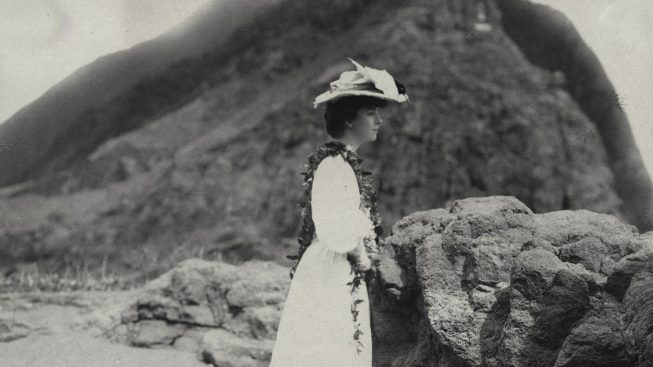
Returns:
<point x="335" y="200"/>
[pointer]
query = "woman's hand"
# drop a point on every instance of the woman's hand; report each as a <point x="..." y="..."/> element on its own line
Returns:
<point x="361" y="260"/>
<point x="363" y="264"/>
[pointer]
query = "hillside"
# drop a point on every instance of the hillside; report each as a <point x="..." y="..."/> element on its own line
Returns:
<point x="199" y="159"/>
<point x="71" y="118"/>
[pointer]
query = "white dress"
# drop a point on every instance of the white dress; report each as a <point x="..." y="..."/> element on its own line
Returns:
<point x="317" y="327"/>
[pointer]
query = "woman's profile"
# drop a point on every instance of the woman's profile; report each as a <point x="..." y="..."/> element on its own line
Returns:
<point x="326" y="316"/>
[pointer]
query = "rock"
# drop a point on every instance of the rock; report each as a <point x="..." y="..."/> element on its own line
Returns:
<point x="566" y="226"/>
<point x="187" y="344"/>
<point x="534" y="271"/>
<point x="10" y="330"/>
<point x="638" y="305"/>
<point x="224" y="349"/>
<point x="151" y="333"/>
<point x="494" y="284"/>
<point x="629" y="266"/>
<point x="546" y="299"/>
<point x="245" y="299"/>
<point x="393" y="277"/>
<point x="589" y="252"/>
<point x="597" y="341"/>
<point x="227" y="314"/>
<point x="263" y="321"/>
<point x="108" y="317"/>
<point x="460" y="254"/>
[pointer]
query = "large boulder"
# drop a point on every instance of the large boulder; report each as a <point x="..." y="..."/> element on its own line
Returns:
<point x="487" y="282"/>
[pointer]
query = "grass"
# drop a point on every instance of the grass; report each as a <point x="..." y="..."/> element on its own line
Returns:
<point x="79" y="276"/>
<point x="28" y="278"/>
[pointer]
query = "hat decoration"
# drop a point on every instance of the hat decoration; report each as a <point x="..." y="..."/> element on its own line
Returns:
<point x="364" y="81"/>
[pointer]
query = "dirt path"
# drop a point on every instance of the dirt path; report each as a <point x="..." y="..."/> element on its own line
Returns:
<point x="52" y="340"/>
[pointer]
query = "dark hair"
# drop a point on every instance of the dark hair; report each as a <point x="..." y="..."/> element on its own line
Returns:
<point x="343" y="109"/>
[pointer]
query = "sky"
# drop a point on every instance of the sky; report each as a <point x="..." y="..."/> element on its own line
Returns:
<point x="43" y="41"/>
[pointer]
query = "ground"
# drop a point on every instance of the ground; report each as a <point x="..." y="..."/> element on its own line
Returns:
<point x="48" y="333"/>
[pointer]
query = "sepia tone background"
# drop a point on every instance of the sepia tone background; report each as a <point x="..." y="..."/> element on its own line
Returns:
<point x="137" y="135"/>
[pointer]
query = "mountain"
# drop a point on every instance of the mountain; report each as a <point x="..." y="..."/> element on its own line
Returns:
<point x="202" y="158"/>
<point x="559" y="48"/>
<point x="61" y="126"/>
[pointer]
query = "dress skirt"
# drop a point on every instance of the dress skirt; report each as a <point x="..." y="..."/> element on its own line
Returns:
<point x="317" y="327"/>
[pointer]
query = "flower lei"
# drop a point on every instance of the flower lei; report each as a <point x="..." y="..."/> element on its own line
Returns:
<point x="368" y="201"/>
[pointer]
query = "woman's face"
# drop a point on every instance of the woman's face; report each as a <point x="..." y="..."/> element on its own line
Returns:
<point x="366" y="125"/>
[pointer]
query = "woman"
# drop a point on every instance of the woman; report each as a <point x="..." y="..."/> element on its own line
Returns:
<point x="326" y="317"/>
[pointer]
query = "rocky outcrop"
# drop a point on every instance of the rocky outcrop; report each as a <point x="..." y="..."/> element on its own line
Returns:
<point x="483" y="282"/>
<point x="496" y="285"/>
<point x="549" y="40"/>
<point x="226" y="314"/>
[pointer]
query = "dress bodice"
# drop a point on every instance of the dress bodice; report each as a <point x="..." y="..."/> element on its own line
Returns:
<point x="345" y="185"/>
<point x="336" y="206"/>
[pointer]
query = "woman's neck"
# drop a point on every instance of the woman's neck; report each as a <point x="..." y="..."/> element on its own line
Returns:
<point x="349" y="142"/>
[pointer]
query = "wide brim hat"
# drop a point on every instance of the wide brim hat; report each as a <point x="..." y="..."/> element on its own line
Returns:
<point x="364" y="81"/>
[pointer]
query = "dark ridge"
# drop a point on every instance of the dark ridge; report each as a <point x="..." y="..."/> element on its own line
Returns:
<point x="549" y="40"/>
